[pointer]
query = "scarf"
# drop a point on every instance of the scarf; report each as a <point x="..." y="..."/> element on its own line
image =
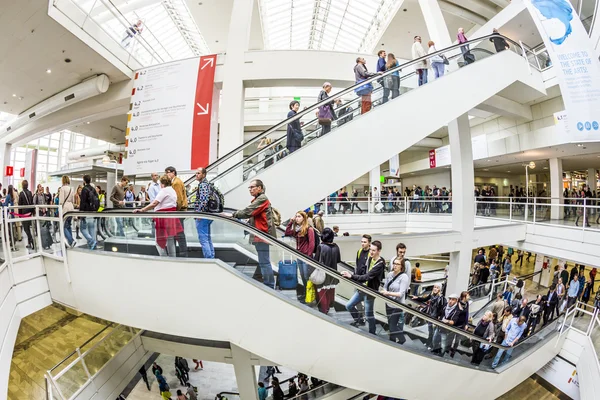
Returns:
<point x="448" y="311"/>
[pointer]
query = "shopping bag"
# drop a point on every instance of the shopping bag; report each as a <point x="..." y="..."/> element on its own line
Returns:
<point x="379" y="206"/>
<point x="288" y="274"/>
<point x="311" y="294"/>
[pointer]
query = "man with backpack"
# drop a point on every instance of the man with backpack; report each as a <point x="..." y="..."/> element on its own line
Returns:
<point x="89" y="202"/>
<point x="203" y="197"/>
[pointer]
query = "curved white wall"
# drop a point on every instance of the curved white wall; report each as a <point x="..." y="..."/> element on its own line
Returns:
<point x="226" y="305"/>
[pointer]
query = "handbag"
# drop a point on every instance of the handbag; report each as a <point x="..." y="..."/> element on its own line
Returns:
<point x="311" y="294"/>
<point x="364" y="90"/>
<point x="317" y="277"/>
<point x="445" y="60"/>
<point x="325" y="121"/>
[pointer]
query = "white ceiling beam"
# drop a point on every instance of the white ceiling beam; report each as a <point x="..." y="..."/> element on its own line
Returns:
<point x="501" y="3"/>
<point x="507" y="108"/>
<point x="102" y="15"/>
<point x="455" y="10"/>
<point x="477" y="6"/>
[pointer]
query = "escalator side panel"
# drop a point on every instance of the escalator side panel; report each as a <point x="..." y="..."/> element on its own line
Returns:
<point x="348" y="152"/>
<point x="209" y="300"/>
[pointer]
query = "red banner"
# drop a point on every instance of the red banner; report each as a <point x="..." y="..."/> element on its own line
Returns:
<point x="9" y="171"/>
<point x="22" y="172"/>
<point x="431" y="158"/>
<point x="203" y="111"/>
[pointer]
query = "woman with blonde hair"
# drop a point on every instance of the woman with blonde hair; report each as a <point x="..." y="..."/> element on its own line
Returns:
<point x="392" y="81"/>
<point x="299" y="229"/>
<point x="66" y="198"/>
<point x="326" y="113"/>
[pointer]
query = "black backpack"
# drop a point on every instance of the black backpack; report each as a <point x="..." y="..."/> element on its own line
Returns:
<point x="216" y="200"/>
<point x="317" y="239"/>
<point x="93" y="200"/>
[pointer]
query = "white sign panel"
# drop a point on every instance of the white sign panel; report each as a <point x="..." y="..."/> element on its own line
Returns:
<point x="561" y="375"/>
<point x="442" y="156"/>
<point x="562" y="125"/>
<point x="577" y="66"/>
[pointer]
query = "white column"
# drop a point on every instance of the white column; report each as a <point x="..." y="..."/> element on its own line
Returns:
<point x="232" y="102"/>
<point x="592" y="180"/>
<point x="110" y="184"/>
<point x="5" y="149"/>
<point x="245" y="374"/>
<point x="463" y="199"/>
<point x="436" y="25"/>
<point x="556" y="188"/>
<point x="374" y="175"/>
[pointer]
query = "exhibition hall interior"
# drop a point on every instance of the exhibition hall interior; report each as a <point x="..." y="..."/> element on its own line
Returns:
<point x="175" y="223"/>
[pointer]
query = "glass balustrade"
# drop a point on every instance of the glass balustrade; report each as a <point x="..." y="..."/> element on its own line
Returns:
<point x="246" y="161"/>
<point x="279" y="267"/>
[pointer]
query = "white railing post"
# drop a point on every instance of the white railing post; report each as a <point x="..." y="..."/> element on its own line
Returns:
<point x="61" y="226"/>
<point x="585" y="221"/>
<point x="510" y="205"/>
<point x="534" y="208"/>
<point x="55" y="386"/>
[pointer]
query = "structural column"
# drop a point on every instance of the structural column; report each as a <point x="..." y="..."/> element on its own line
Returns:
<point x="592" y="180"/>
<point x="5" y="149"/>
<point x="463" y="199"/>
<point x="245" y="374"/>
<point x="436" y="25"/>
<point x="556" y="188"/>
<point x="232" y="102"/>
<point x="374" y="182"/>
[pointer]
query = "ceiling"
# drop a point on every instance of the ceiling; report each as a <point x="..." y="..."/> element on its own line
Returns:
<point x="30" y="43"/>
<point x="110" y="130"/>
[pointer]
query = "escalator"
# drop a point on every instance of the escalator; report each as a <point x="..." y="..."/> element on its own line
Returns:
<point x="214" y="300"/>
<point x="359" y="142"/>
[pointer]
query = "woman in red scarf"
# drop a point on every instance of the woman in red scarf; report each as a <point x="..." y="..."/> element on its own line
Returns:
<point x="166" y="228"/>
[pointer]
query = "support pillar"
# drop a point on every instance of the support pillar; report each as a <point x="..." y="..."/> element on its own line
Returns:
<point x="5" y="149"/>
<point x="463" y="203"/>
<point x="374" y="182"/>
<point x="245" y="373"/>
<point x="436" y="25"/>
<point x="232" y="102"/>
<point x="556" y="188"/>
<point x="592" y="180"/>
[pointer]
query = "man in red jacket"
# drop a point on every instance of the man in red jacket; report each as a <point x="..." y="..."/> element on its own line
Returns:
<point x="260" y="216"/>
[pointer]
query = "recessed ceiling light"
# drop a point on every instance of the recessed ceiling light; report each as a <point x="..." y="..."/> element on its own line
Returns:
<point x="88" y="122"/>
<point x="507" y="171"/>
<point x="579" y="144"/>
<point x="48" y="71"/>
<point x="545" y="167"/>
<point x="20" y="97"/>
<point x="485" y="169"/>
<point x="14" y="95"/>
<point x="489" y="160"/>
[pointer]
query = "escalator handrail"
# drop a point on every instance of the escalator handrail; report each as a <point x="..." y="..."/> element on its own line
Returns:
<point x="274" y="143"/>
<point x="344" y="92"/>
<point x="274" y="242"/>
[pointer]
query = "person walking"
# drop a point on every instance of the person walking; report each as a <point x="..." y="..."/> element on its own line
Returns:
<point x="326" y="113"/>
<point x="144" y="375"/>
<point x="191" y="392"/>
<point x="421" y="67"/>
<point x="437" y="61"/>
<point x="66" y="198"/>
<point x="203" y="193"/>
<point x="182" y="205"/>
<point x="294" y="136"/>
<point x="514" y="331"/>
<point x="26" y="198"/>
<point x="89" y="202"/>
<point x="395" y="287"/>
<point x="260" y="216"/>
<point x="117" y="197"/>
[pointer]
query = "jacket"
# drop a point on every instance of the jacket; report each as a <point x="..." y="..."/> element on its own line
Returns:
<point x="373" y="274"/>
<point x="328" y="254"/>
<point x="87" y="192"/>
<point x="361" y="72"/>
<point x="435" y="304"/>
<point x="323" y="109"/>
<point x="361" y="261"/>
<point x="179" y="187"/>
<point x="499" y="44"/>
<point x="304" y="244"/>
<point x="417" y="52"/>
<point x="260" y="216"/>
<point x="319" y="223"/>
<point x="26" y="198"/>
<point x="489" y="332"/>
<point x="463" y="315"/>
<point x="294" y="134"/>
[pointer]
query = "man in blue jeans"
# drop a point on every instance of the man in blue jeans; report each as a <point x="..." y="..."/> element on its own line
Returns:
<point x="370" y="275"/>
<point x="203" y="225"/>
<point x="514" y="330"/>
<point x="260" y="215"/>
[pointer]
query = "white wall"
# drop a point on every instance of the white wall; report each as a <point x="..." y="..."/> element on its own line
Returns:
<point x="23" y="291"/>
<point x="243" y="302"/>
<point x="588" y="372"/>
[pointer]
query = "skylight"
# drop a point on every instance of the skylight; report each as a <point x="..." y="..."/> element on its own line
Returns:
<point x="168" y="30"/>
<point x="338" y="25"/>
